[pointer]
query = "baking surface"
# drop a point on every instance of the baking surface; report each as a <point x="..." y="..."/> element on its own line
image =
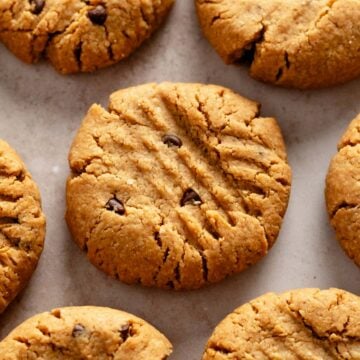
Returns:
<point x="40" y="112"/>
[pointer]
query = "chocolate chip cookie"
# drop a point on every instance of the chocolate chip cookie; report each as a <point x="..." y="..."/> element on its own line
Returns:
<point x="22" y="225"/>
<point x="78" y="35"/>
<point x="343" y="191"/>
<point x="299" y="324"/>
<point x="86" y="332"/>
<point x="301" y="44"/>
<point x="177" y="185"/>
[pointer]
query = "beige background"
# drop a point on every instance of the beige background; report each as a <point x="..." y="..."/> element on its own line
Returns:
<point x="39" y="114"/>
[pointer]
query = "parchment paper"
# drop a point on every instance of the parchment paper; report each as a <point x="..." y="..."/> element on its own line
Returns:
<point x="40" y="112"/>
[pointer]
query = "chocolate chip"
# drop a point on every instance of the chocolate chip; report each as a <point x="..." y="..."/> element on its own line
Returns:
<point x="98" y="15"/>
<point x="172" y="140"/>
<point x="125" y="331"/>
<point x="78" y="330"/>
<point x="190" y="197"/>
<point x="39" y="6"/>
<point x="116" y="205"/>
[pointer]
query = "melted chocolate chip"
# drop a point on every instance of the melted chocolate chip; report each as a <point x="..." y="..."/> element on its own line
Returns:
<point x="116" y="205"/>
<point x="78" y="330"/>
<point x="98" y="15"/>
<point x="190" y="197"/>
<point x="125" y="331"/>
<point x="172" y="140"/>
<point x="39" y="6"/>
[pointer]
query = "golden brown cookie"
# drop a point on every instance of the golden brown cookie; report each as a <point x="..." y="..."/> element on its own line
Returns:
<point x="298" y="43"/>
<point x="300" y="324"/>
<point x="78" y="35"/>
<point x="343" y="191"/>
<point x="22" y="225"/>
<point x="85" y="332"/>
<point x="177" y="185"/>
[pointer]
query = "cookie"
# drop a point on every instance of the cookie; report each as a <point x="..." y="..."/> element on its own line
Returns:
<point x="77" y="35"/>
<point x="301" y="44"/>
<point x="176" y="185"/>
<point x="299" y="324"/>
<point x="22" y="225"/>
<point x="85" y="332"/>
<point x="343" y="191"/>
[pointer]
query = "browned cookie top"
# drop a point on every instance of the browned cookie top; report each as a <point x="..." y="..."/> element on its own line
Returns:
<point x="297" y="325"/>
<point x="78" y="35"/>
<point x="343" y="191"/>
<point x="177" y="185"/>
<point x="22" y="225"/>
<point x="297" y="43"/>
<point x="85" y="332"/>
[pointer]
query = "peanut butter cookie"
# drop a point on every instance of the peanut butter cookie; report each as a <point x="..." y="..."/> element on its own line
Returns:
<point x="299" y="324"/>
<point x="22" y="225"/>
<point x="177" y="185"/>
<point x="343" y="191"/>
<point x="85" y="332"/>
<point x="78" y="35"/>
<point x="299" y="43"/>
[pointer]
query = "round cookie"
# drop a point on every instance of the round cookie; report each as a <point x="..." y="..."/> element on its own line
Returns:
<point x="77" y="35"/>
<point x="85" y="332"/>
<point x="299" y="324"/>
<point x="298" y="43"/>
<point x="22" y="225"/>
<point x="176" y="185"/>
<point x="343" y="191"/>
